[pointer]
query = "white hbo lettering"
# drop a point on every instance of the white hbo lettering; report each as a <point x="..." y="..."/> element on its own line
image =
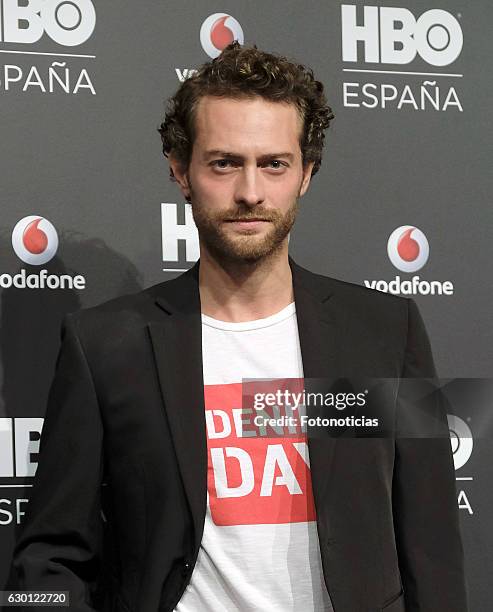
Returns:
<point x="13" y="511"/>
<point x="67" y="22"/>
<point x="59" y="78"/>
<point x="20" y="442"/>
<point x="424" y="96"/>
<point x="19" y="448"/>
<point x="172" y="231"/>
<point x="392" y="35"/>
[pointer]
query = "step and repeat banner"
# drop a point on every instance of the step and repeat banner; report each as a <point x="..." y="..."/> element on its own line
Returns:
<point x="402" y="202"/>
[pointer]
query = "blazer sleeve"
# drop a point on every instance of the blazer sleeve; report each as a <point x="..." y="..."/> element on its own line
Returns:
<point x="59" y="546"/>
<point x="425" y="511"/>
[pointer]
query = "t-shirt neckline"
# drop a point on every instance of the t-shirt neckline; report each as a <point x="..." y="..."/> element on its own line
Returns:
<point x="277" y="317"/>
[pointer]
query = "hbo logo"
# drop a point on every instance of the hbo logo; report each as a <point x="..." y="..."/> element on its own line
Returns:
<point x="393" y="35"/>
<point x="67" y="22"/>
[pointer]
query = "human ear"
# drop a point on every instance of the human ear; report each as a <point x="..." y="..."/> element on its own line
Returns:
<point x="180" y="173"/>
<point x="307" y="175"/>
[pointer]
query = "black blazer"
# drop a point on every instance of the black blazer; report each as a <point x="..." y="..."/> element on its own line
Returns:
<point x="117" y="509"/>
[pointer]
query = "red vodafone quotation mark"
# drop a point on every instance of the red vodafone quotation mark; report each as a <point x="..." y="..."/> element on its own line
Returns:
<point x="407" y="247"/>
<point x="34" y="239"/>
<point x="221" y="35"/>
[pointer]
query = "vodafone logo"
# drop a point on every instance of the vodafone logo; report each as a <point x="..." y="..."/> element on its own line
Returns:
<point x="218" y="31"/>
<point x="35" y="240"/>
<point x="408" y="248"/>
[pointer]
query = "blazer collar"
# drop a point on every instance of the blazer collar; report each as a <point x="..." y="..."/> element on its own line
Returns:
<point x="182" y="293"/>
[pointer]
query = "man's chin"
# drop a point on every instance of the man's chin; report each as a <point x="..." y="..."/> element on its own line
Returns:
<point x="248" y="248"/>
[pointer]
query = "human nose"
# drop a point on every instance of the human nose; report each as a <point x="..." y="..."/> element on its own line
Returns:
<point x="249" y="187"/>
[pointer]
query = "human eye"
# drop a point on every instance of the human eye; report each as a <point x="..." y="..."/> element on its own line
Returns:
<point x="223" y="164"/>
<point x="275" y="164"/>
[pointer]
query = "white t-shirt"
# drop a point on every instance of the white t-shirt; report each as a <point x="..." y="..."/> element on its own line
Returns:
<point x="260" y="549"/>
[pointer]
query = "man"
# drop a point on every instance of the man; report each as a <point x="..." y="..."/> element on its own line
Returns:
<point x="201" y="511"/>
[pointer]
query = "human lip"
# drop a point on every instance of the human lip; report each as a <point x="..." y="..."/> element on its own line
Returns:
<point x="247" y="219"/>
<point x="246" y="223"/>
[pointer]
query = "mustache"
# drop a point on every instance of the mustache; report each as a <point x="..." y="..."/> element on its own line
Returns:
<point x="261" y="215"/>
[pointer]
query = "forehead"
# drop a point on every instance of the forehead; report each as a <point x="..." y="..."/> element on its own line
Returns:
<point x="246" y="124"/>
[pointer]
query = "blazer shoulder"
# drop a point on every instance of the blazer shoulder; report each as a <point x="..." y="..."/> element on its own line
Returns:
<point x="125" y="312"/>
<point x="369" y="313"/>
<point x="353" y="292"/>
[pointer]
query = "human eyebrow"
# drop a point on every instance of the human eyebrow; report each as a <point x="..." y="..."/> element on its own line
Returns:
<point x="238" y="156"/>
<point x="270" y="156"/>
<point x="222" y="154"/>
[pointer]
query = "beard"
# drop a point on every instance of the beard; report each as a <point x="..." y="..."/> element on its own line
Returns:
<point x="247" y="245"/>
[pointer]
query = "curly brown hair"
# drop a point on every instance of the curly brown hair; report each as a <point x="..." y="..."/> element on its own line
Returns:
<point x="245" y="72"/>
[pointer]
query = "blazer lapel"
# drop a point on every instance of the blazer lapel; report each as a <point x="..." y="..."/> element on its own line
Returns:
<point x="321" y="332"/>
<point x="177" y="344"/>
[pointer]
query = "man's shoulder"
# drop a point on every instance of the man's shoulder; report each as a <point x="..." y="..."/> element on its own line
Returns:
<point x="351" y="294"/>
<point x="134" y="310"/>
<point x="128" y="311"/>
<point x="363" y="311"/>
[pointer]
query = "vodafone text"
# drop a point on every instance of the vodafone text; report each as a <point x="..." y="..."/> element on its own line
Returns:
<point x="42" y="280"/>
<point x="413" y="286"/>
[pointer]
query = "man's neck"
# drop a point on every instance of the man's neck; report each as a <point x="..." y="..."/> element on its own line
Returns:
<point x="245" y="291"/>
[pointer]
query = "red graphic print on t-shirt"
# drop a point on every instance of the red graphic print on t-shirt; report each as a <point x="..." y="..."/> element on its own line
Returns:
<point x="257" y="473"/>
